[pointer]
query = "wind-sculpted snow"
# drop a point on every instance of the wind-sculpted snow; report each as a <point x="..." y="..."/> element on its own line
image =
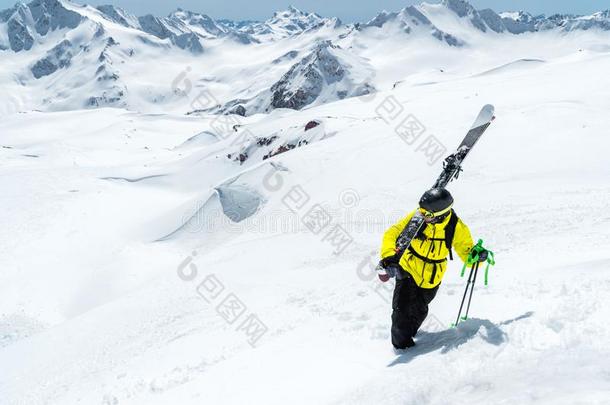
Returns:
<point x="524" y="63"/>
<point x="204" y="138"/>
<point x="214" y="212"/>
<point x="238" y="201"/>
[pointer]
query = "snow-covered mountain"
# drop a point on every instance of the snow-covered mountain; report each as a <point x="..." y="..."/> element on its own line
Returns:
<point x="54" y="46"/>
<point x="326" y="73"/>
<point x="288" y="23"/>
<point x="411" y="20"/>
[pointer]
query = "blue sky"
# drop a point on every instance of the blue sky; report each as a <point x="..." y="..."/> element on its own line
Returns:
<point x="347" y="10"/>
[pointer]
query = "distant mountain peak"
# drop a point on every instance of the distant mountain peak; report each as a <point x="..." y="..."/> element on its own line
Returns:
<point x="292" y="11"/>
<point x="119" y="16"/>
<point x="409" y="20"/>
<point x="200" y="21"/>
<point x="461" y="7"/>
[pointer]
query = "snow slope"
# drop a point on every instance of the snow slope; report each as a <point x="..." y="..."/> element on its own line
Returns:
<point x="116" y="230"/>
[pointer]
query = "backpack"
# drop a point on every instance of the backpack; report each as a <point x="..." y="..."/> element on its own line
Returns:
<point x="450" y="232"/>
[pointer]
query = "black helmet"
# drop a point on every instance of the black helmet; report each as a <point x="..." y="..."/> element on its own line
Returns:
<point x="436" y="201"/>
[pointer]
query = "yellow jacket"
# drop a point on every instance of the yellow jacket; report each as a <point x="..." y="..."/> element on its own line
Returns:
<point x="432" y="247"/>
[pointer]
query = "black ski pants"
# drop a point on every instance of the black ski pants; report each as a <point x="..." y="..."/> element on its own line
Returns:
<point x="410" y="308"/>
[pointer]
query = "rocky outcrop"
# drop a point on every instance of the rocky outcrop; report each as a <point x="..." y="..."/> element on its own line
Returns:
<point x="49" y="15"/>
<point x="165" y="28"/>
<point x="119" y="16"/>
<point x="57" y="58"/>
<point x="322" y="69"/>
<point x="25" y="22"/>
<point x="303" y="83"/>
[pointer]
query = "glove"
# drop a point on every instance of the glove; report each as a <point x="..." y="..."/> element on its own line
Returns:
<point x="388" y="268"/>
<point x="388" y="261"/>
<point x="483" y="256"/>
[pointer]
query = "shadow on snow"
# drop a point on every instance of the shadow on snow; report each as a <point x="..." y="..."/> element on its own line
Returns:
<point x="449" y="339"/>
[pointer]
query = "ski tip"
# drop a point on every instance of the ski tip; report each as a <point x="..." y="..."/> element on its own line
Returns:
<point x="489" y="110"/>
<point x="486" y="115"/>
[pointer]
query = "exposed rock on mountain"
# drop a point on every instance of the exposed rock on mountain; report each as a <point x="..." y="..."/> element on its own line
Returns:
<point x="57" y="58"/>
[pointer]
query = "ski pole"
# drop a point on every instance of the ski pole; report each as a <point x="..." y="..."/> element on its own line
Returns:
<point x="474" y="262"/>
<point x="474" y="280"/>
<point x="465" y="293"/>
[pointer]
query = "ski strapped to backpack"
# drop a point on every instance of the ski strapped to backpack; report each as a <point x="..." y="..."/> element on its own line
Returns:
<point x="451" y="170"/>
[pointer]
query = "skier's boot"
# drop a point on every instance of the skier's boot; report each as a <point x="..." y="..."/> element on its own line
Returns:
<point x="406" y="344"/>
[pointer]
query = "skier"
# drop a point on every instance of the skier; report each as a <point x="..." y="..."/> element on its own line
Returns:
<point x="421" y="268"/>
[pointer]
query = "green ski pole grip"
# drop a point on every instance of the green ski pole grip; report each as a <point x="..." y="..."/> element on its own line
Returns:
<point x="486" y="273"/>
<point x="491" y="261"/>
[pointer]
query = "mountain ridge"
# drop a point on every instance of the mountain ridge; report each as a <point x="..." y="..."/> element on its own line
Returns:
<point x="60" y="36"/>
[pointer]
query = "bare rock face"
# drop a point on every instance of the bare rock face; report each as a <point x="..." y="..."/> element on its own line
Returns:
<point x="174" y="30"/>
<point x="464" y="9"/>
<point x="113" y="97"/>
<point x="119" y="16"/>
<point x="188" y="41"/>
<point x="327" y="73"/>
<point x="49" y="15"/>
<point x="311" y="125"/>
<point x="303" y="83"/>
<point x="154" y="26"/>
<point x="19" y="35"/>
<point x="38" y="17"/>
<point x="239" y="110"/>
<point x="57" y="58"/>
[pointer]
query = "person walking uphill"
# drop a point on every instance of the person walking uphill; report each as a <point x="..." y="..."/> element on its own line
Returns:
<point x="421" y="268"/>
